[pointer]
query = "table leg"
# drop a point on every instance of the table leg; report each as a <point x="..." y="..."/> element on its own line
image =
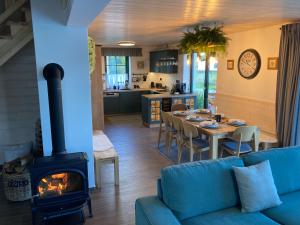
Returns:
<point x="266" y="145"/>
<point x="116" y="170"/>
<point x="213" y="145"/>
<point x="98" y="173"/>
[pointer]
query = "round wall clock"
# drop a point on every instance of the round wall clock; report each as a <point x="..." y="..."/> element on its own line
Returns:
<point x="249" y="63"/>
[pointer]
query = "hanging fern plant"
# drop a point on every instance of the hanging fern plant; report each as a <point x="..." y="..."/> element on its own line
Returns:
<point x="204" y="39"/>
<point x="210" y="41"/>
<point x="92" y="54"/>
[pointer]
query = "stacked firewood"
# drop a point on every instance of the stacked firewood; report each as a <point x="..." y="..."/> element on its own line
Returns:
<point x="17" y="166"/>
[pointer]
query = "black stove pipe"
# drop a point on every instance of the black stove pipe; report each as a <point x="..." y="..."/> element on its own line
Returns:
<point x="54" y="73"/>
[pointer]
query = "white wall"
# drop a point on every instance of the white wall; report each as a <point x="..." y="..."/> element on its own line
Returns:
<point x="263" y="86"/>
<point x="252" y="100"/>
<point x="19" y="106"/>
<point x="67" y="46"/>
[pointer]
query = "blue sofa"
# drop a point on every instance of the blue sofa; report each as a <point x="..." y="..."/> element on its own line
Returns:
<point x="205" y="193"/>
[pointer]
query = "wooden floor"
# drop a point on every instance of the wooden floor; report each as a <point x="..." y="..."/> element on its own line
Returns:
<point x="140" y="166"/>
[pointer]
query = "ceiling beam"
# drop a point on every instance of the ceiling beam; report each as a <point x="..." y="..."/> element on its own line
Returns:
<point x="82" y="13"/>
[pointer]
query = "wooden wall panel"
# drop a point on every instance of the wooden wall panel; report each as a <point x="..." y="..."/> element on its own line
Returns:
<point x="260" y="113"/>
<point x="19" y="104"/>
<point x="97" y="93"/>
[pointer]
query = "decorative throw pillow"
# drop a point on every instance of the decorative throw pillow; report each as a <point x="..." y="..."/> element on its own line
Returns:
<point x="256" y="187"/>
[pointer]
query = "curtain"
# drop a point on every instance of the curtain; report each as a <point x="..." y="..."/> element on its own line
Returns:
<point x="288" y="85"/>
<point x="115" y="80"/>
<point x="121" y="52"/>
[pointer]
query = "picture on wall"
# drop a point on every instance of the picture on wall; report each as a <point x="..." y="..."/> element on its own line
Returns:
<point x="140" y="65"/>
<point x="273" y="63"/>
<point x="230" y="64"/>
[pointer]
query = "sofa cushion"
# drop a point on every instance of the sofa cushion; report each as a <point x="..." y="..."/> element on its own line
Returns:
<point x="232" y="216"/>
<point x="200" y="187"/>
<point x="256" y="187"/>
<point x="288" y="213"/>
<point x="284" y="164"/>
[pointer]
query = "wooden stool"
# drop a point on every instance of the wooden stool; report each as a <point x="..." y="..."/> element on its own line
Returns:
<point x="106" y="157"/>
<point x="267" y="140"/>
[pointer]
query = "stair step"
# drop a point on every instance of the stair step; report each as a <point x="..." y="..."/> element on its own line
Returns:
<point x="26" y="13"/>
<point x="6" y="37"/>
<point x="5" y="32"/>
<point x="16" y="23"/>
<point x="11" y="10"/>
<point x="19" y="40"/>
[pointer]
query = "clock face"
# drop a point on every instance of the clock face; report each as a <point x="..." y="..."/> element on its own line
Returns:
<point x="249" y="63"/>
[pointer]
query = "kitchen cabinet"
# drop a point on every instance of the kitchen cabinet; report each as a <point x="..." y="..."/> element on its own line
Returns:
<point x="111" y="105"/>
<point x="124" y="102"/>
<point x="165" y="61"/>
<point x="130" y="102"/>
<point x="152" y="105"/>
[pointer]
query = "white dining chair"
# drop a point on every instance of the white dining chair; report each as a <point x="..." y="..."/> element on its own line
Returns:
<point x="193" y="141"/>
<point x="242" y="141"/>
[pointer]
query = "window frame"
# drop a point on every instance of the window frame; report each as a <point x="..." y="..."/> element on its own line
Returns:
<point x="206" y="97"/>
<point x="116" y="65"/>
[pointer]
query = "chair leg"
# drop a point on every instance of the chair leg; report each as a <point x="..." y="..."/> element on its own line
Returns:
<point x="167" y="139"/>
<point x="179" y="153"/>
<point x="200" y="155"/>
<point x="159" y="135"/>
<point x="222" y="152"/>
<point x="191" y="149"/>
<point x="170" y="142"/>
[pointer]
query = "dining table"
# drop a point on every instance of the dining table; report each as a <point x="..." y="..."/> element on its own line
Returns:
<point x="214" y="135"/>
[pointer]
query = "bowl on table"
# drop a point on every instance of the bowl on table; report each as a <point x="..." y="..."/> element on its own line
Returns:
<point x="209" y="124"/>
<point x="180" y="113"/>
<point x="194" y="118"/>
<point x="202" y="111"/>
<point x="236" y="122"/>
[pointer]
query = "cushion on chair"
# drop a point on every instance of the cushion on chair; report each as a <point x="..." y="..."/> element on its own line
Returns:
<point x="200" y="187"/>
<point x="288" y="213"/>
<point x="256" y="187"/>
<point x="284" y="164"/>
<point x="199" y="142"/>
<point x="233" y="146"/>
<point x="232" y="216"/>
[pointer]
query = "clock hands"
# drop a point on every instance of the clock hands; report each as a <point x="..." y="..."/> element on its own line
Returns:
<point x="248" y="64"/>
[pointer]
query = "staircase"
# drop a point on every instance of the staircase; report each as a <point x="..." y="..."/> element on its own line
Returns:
<point x="15" y="28"/>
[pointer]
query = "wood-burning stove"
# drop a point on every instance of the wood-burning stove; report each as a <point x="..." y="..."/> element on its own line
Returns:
<point x="59" y="182"/>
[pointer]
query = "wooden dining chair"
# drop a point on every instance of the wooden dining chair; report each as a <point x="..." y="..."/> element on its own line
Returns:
<point x="166" y="120"/>
<point x="242" y="141"/>
<point x="193" y="141"/>
<point x="178" y="107"/>
<point x="178" y="126"/>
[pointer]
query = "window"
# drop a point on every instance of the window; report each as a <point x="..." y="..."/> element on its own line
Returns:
<point x="198" y="78"/>
<point x="117" y="70"/>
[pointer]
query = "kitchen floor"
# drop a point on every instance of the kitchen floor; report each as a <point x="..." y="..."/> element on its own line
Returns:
<point x="140" y="166"/>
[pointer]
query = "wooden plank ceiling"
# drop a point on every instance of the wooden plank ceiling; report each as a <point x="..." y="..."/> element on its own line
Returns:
<point x="156" y="22"/>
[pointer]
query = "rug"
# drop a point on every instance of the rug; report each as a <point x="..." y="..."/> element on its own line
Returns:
<point x="172" y="154"/>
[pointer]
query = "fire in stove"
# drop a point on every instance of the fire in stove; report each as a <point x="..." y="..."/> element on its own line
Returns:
<point x="55" y="184"/>
<point x="59" y="184"/>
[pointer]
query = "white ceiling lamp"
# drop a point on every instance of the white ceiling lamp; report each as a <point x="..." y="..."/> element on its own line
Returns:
<point x="126" y="43"/>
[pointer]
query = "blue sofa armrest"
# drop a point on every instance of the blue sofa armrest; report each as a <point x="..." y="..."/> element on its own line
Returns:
<point x="152" y="211"/>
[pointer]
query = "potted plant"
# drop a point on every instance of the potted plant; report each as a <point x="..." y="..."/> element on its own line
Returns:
<point x="210" y="41"/>
<point x="92" y="54"/>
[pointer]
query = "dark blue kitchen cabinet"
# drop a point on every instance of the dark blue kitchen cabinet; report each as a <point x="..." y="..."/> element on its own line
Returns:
<point x="130" y="102"/>
<point x="126" y="102"/>
<point x="165" y="61"/>
<point x="111" y="105"/>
